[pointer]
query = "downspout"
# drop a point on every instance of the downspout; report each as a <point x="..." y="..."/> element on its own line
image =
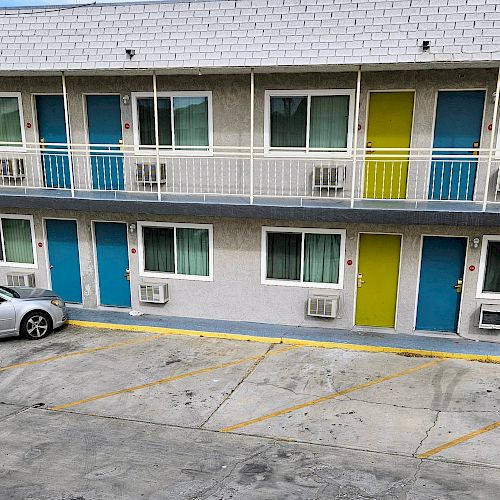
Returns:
<point x="355" y="136"/>
<point x="492" y="142"/>
<point x="157" y="137"/>
<point x="68" y="134"/>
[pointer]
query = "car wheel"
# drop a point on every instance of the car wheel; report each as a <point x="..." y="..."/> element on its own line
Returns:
<point x="36" y="325"/>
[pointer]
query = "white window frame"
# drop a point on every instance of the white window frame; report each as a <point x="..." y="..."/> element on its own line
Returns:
<point x="20" y="265"/>
<point x="170" y="150"/>
<point x="305" y="284"/>
<point x="299" y="152"/>
<point x="153" y="274"/>
<point x="482" y="269"/>
<point x="21" y="122"/>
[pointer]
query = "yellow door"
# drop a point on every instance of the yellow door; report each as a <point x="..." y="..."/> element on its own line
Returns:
<point x="390" y="116"/>
<point x="377" y="280"/>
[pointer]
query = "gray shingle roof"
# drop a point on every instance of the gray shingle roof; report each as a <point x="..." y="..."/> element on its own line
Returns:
<point x="243" y="33"/>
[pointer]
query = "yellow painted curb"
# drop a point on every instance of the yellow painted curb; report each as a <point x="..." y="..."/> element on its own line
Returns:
<point x="485" y="358"/>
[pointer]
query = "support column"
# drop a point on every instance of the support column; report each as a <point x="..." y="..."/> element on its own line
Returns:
<point x="252" y="108"/>
<point x="157" y="137"/>
<point x="492" y="142"/>
<point x="68" y="134"/>
<point x="355" y="136"/>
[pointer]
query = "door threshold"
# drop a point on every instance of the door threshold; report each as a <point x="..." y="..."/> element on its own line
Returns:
<point x="373" y="329"/>
<point x="437" y="335"/>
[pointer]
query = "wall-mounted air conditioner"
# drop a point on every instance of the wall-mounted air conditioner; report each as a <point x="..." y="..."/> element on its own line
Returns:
<point x="21" y="279"/>
<point x="154" y="293"/>
<point x="489" y="316"/>
<point x="328" y="177"/>
<point x="12" y="169"/>
<point x="323" y="306"/>
<point x="146" y="172"/>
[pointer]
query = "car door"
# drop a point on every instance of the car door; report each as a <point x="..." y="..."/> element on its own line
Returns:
<point x="7" y="316"/>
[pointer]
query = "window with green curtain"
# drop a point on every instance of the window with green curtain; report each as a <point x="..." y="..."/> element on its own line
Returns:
<point x="17" y="240"/>
<point x="191" y="121"/>
<point x="145" y="109"/>
<point x="321" y="258"/>
<point x="158" y="244"/>
<point x="492" y="273"/>
<point x="288" y="122"/>
<point x="329" y="121"/>
<point x="10" y="121"/>
<point x="284" y="256"/>
<point x="192" y="252"/>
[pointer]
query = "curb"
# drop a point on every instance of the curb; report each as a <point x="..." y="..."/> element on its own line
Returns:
<point x="421" y="353"/>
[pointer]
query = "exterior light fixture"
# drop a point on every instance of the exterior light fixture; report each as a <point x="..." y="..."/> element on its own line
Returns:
<point x="130" y="52"/>
<point x="132" y="228"/>
<point x="426" y="45"/>
<point x="475" y="242"/>
<point x="125" y="99"/>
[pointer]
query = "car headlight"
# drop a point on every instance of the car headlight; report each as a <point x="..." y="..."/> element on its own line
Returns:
<point x="58" y="303"/>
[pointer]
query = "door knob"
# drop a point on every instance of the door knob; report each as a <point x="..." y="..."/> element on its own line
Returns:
<point x="42" y="143"/>
<point x="120" y="142"/>
<point x="126" y="275"/>
<point x="369" y="145"/>
<point x="458" y="286"/>
<point x="360" y="280"/>
<point x="475" y="147"/>
<point x="51" y="267"/>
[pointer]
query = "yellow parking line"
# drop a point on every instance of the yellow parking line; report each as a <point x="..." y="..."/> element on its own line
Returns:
<point x="170" y="379"/>
<point x="459" y="440"/>
<point x="82" y="352"/>
<point x="330" y="396"/>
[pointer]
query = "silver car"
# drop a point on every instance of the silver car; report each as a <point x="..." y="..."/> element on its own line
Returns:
<point x="30" y="312"/>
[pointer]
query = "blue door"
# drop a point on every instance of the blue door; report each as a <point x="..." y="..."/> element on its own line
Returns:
<point x="64" y="259"/>
<point x="52" y="136"/>
<point x="105" y="134"/>
<point x="112" y="263"/>
<point x="459" y="118"/>
<point x="441" y="275"/>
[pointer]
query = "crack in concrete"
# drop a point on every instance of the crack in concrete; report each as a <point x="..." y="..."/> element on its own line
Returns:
<point x="247" y="374"/>
<point x="415" y="453"/>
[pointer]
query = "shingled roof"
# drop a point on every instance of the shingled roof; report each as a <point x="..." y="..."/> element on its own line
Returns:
<point x="248" y="33"/>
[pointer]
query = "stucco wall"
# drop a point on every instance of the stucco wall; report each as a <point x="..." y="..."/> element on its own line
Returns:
<point x="236" y="292"/>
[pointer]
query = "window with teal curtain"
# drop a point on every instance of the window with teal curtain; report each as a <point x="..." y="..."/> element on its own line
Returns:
<point x="17" y="240"/>
<point x="10" y="121"/>
<point x="145" y="109"/>
<point x="158" y="244"/>
<point x="191" y="121"/>
<point x="288" y="122"/>
<point x="192" y="252"/>
<point x="492" y="273"/>
<point x="321" y="258"/>
<point x="284" y="255"/>
<point x="329" y="122"/>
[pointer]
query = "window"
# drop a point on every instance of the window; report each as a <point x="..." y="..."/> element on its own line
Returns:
<point x="184" y="121"/>
<point x="178" y="250"/>
<point x="11" y="130"/>
<point x="313" y="122"/>
<point x="16" y="241"/>
<point x="489" y="269"/>
<point x="303" y="257"/>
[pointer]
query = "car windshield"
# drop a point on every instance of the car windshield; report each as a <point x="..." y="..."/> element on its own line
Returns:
<point x="8" y="292"/>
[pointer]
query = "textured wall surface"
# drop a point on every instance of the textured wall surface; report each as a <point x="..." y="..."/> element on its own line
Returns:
<point x="246" y="33"/>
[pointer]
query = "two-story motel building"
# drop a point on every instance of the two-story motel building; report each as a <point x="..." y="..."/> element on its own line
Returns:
<point x="255" y="154"/>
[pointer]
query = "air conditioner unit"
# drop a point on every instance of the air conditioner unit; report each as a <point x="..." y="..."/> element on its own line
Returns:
<point x="154" y="293"/>
<point x="146" y="172"/>
<point x="328" y="177"/>
<point x="12" y="169"/>
<point x="489" y="316"/>
<point x="323" y="306"/>
<point x="21" y="279"/>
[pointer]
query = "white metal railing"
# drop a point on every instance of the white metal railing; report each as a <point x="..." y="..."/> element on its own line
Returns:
<point x="351" y="177"/>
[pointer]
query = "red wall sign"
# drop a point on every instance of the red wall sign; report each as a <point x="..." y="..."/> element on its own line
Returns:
<point x="28" y="125"/>
<point x="349" y="262"/>
<point x="127" y="125"/>
<point x="133" y="250"/>
<point x="40" y="244"/>
<point x="472" y="268"/>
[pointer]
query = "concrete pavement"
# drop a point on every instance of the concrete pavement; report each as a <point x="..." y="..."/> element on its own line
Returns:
<point x="98" y="414"/>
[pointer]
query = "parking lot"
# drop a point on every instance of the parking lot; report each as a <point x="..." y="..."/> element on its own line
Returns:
<point x="92" y="414"/>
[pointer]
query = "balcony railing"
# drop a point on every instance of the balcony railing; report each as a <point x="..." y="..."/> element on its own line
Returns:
<point x="416" y="178"/>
